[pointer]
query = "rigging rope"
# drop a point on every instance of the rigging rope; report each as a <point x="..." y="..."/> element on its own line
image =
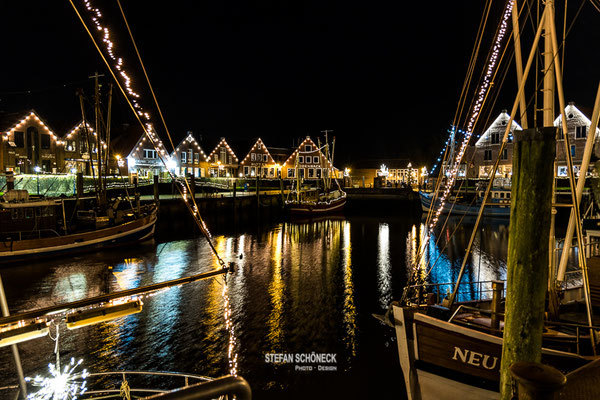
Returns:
<point x="193" y="209"/>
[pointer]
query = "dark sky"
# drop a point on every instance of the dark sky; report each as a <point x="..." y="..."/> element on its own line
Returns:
<point x="385" y="76"/>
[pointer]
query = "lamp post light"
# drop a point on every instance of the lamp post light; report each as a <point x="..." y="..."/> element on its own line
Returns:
<point x="37" y="170"/>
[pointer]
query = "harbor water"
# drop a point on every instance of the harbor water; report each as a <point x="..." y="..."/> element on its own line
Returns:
<point x="301" y="301"/>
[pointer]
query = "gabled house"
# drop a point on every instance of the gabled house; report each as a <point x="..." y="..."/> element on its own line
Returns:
<point x="81" y="149"/>
<point x="578" y="126"/>
<point x="223" y="161"/>
<point x="259" y="162"/>
<point x="309" y="161"/>
<point x="137" y="155"/>
<point x="28" y="145"/>
<point x="487" y="147"/>
<point x="189" y="158"/>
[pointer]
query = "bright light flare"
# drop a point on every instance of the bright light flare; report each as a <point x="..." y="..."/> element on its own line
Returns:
<point x="60" y="385"/>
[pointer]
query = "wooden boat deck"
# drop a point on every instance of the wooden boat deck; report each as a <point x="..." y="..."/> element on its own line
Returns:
<point x="583" y="383"/>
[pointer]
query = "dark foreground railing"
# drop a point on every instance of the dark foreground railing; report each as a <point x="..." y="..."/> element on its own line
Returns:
<point x="227" y="385"/>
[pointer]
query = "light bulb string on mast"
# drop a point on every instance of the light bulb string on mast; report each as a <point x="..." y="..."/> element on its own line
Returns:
<point x="137" y="112"/>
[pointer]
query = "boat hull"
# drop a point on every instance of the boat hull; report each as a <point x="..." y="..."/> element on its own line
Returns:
<point x="492" y="210"/>
<point x="129" y="232"/>
<point x="442" y="360"/>
<point x="316" y="209"/>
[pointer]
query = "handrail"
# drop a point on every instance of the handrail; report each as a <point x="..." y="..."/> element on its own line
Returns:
<point x="234" y="385"/>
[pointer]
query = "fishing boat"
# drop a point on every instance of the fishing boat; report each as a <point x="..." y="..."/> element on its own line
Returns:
<point x="450" y="342"/>
<point x="318" y="200"/>
<point x="31" y="229"/>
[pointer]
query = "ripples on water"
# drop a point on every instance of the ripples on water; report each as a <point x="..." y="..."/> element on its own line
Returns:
<point x="297" y="288"/>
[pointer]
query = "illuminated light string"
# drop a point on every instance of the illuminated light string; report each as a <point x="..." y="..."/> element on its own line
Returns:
<point x="127" y="81"/>
<point x="128" y="93"/>
<point x="476" y="109"/>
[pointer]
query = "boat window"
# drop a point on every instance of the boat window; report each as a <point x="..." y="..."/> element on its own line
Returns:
<point x="29" y="213"/>
<point x="14" y="213"/>
<point x="38" y="211"/>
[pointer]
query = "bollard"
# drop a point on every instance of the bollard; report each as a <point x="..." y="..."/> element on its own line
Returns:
<point x="497" y="292"/>
<point x="536" y="381"/>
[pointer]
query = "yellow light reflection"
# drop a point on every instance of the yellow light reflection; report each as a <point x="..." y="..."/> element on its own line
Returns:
<point x="349" y="307"/>
<point x="276" y="292"/>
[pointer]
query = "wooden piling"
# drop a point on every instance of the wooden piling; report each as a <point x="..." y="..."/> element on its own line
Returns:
<point x="527" y="275"/>
<point x="156" y="191"/>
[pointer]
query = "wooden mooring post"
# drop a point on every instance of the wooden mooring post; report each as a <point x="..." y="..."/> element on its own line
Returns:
<point x="527" y="276"/>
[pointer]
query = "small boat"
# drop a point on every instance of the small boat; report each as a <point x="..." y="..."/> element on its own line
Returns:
<point x="39" y="228"/>
<point x="497" y="206"/>
<point x="312" y="202"/>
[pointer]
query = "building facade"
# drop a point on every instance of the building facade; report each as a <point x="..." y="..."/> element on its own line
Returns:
<point x="259" y="162"/>
<point x="223" y="163"/>
<point x="189" y="158"/>
<point x="307" y="162"/>
<point x="29" y="145"/>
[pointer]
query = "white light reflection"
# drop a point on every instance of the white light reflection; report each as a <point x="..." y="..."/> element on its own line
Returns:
<point x="384" y="266"/>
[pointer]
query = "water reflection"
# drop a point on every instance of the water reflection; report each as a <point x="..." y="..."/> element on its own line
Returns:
<point x="298" y="287"/>
<point x="444" y="254"/>
<point x="384" y="273"/>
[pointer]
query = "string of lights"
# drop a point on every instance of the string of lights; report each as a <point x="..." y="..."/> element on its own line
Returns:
<point x="481" y="95"/>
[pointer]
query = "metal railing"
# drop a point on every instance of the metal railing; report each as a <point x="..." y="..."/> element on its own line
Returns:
<point x="117" y="383"/>
<point x="227" y="385"/>
<point x="37" y="233"/>
<point x="478" y="290"/>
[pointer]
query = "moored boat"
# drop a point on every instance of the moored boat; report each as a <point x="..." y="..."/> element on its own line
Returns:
<point x="39" y="228"/>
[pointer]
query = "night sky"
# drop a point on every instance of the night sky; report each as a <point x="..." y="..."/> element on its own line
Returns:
<point x="384" y="76"/>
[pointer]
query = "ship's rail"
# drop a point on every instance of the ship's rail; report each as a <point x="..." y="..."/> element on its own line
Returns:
<point x="468" y="291"/>
<point x="156" y="384"/>
<point x="115" y="384"/>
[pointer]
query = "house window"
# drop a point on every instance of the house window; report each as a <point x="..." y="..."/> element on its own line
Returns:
<point x="315" y="160"/>
<point x="495" y="137"/>
<point x="487" y="155"/>
<point x="45" y="141"/>
<point x="301" y="160"/>
<point x="291" y="172"/>
<point x="246" y="171"/>
<point x="308" y="147"/>
<point x="71" y="145"/>
<point x="252" y="157"/>
<point x="580" y="132"/>
<point x="573" y="150"/>
<point x="184" y="157"/>
<point x="19" y="138"/>
<point x="197" y="158"/>
<point x="148" y="153"/>
<point x="265" y="158"/>
<point x="505" y="154"/>
<point x="311" y="172"/>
